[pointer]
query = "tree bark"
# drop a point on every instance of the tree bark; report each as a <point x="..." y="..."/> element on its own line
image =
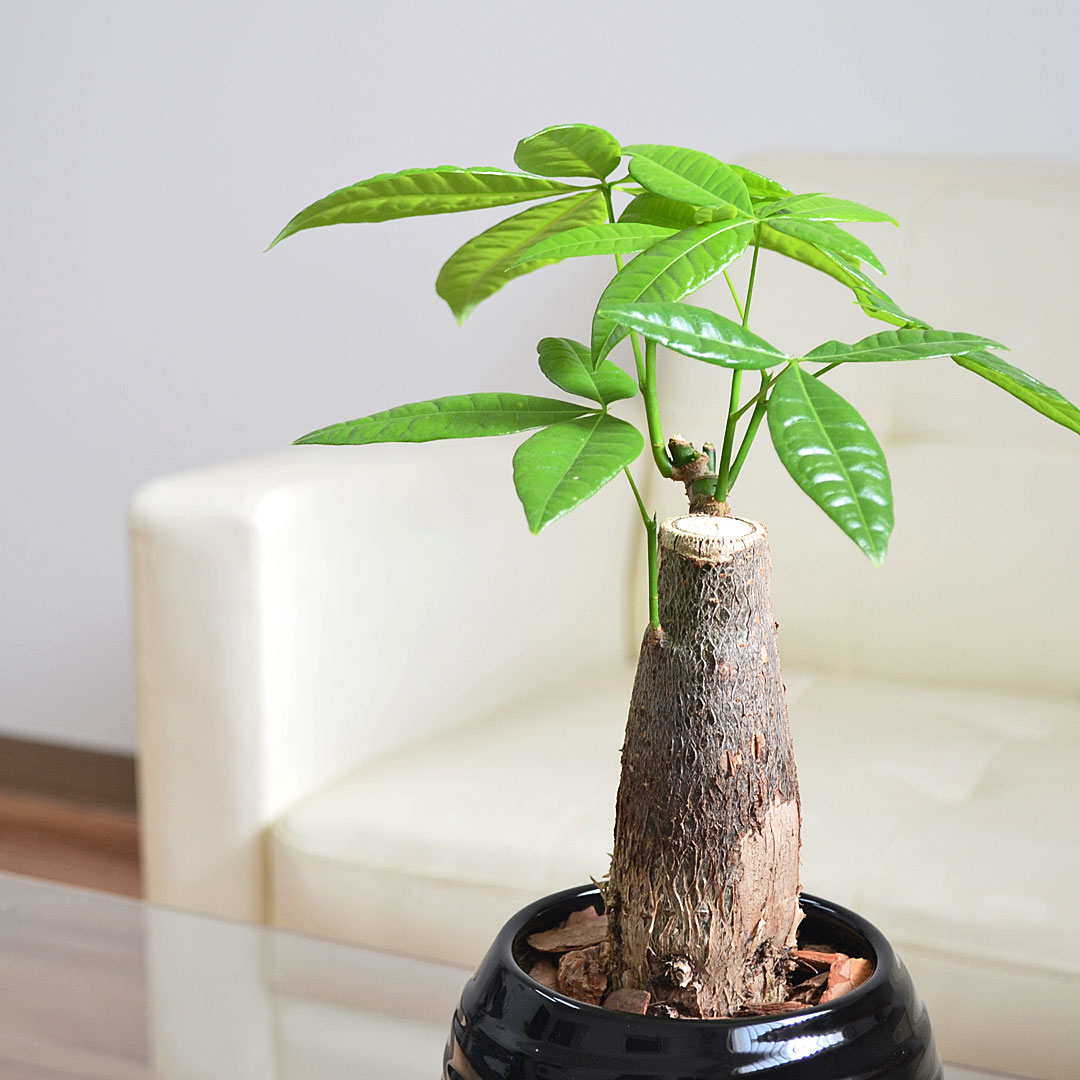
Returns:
<point x="702" y="896"/>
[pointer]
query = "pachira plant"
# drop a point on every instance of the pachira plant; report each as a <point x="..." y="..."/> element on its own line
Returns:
<point x="703" y="892"/>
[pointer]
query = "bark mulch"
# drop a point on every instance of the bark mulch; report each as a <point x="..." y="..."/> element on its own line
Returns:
<point x="570" y="959"/>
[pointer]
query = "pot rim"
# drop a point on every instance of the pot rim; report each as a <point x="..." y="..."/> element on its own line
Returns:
<point x="881" y="954"/>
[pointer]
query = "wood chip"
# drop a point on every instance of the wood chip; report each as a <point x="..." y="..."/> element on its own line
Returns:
<point x="818" y="958"/>
<point x="581" y="929"/>
<point x="809" y="991"/>
<point x="861" y="970"/>
<point x="769" y="1008"/>
<point x="845" y="975"/>
<point x="575" y="966"/>
<point x="582" y="976"/>
<point x="585" y="915"/>
<point x="546" y="972"/>
<point x="627" y="1000"/>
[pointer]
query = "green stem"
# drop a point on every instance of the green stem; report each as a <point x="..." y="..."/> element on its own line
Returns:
<point x="650" y="532"/>
<point x="646" y="372"/>
<point x="652" y="411"/>
<point x="751" y="431"/>
<point x="638" y="362"/>
<point x="750" y="283"/>
<point x="645" y="519"/>
<point x="762" y="393"/>
<point x="734" y="294"/>
<point x="767" y="386"/>
<point x="610" y="204"/>
<point x="723" y="481"/>
<point x="753" y="402"/>
<point x="654" y="598"/>
<point x="729" y="437"/>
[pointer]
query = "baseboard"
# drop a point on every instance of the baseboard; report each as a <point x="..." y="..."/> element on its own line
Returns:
<point x="64" y="772"/>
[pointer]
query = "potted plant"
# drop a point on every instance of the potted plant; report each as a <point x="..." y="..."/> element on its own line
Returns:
<point x="701" y="908"/>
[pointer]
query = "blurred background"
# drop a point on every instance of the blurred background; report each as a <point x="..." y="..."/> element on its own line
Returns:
<point x="151" y="152"/>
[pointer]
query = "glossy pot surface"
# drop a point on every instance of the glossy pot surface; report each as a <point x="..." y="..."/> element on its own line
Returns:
<point x="510" y="1027"/>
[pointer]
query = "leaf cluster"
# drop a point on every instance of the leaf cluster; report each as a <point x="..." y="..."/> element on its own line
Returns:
<point x="688" y="218"/>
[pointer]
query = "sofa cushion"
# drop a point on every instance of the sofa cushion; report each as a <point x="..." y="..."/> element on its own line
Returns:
<point x="918" y="804"/>
<point x="430" y="849"/>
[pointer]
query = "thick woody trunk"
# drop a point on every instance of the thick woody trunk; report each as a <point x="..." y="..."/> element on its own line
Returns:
<point x="703" y="892"/>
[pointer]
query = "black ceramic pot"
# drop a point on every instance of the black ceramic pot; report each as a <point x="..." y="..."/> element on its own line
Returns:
<point x="510" y="1027"/>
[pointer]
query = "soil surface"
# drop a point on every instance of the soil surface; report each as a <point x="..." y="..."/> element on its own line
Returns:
<point x="571" y="958"/>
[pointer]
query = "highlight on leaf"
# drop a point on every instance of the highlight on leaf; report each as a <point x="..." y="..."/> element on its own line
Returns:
<point x="697" y="332"/>
<point x="668" y="271"/>
<point x="831" y="453"/>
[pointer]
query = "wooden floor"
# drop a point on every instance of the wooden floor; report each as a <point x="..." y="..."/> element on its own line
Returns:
<point x="69" y="842"/>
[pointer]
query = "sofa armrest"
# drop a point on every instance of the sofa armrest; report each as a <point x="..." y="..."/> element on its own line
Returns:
<point x="298" y="613"/>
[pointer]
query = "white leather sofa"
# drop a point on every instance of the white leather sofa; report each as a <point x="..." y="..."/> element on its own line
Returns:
<point x="397" y="735"/>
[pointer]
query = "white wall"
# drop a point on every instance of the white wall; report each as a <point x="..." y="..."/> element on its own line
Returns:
<point x="151" y="151"/>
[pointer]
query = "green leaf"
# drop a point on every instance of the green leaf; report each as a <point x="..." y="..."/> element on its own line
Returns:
<point x="442" y="190"/>
<point x="595" y="240"/>
<point x="697" y="332"/>
<point x="833" y="456"/>
<point x="872" y="299"/>
<point x="650" y="209"/>
<point x="568" y="364"/>
<point x="689" y="176"/>
<point x="1042" y="398"/>
<point x="803" y="251"/>
<point x="878" y="305"/>
<point x="669" y="270"/>
<point x="763" y="192"/>
<point x="484" y="264"/>
<point x="569" y="150"/>
<point x="828" y="237"/>
<point x="560" y="467"/>
<point x="462" y="416"/>
<point x="760" y="187"/>
<point x="912" y="344"/>
<point x="822" y="208"/>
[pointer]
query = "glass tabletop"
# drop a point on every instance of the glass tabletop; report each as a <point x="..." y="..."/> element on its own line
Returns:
<point x="99" y="987"/>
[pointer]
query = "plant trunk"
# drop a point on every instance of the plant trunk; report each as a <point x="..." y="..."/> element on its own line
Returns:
<point x="703" y="893"/>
